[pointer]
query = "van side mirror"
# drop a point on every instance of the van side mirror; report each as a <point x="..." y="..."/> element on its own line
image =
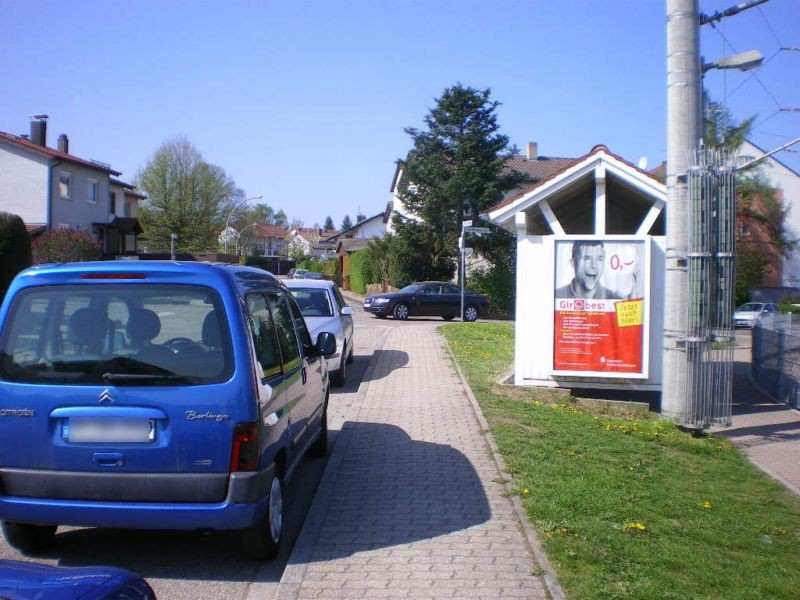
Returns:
<point x="326" y="344"/>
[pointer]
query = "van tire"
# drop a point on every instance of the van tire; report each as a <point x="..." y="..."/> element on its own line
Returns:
<point x="29" y="539"/>
<point x="320" y="445"/>
<point x="262" y="541"/>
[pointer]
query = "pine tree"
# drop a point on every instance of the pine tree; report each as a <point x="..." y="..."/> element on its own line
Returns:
<point x="456" y="170"/>
<point x="346" y="223"/>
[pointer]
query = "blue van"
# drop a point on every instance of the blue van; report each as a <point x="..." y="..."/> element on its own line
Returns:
<point x="157" y="395"/>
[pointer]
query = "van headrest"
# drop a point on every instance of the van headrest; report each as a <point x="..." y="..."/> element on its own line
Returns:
<point x="211" y="334"/>
<point x="86" y="328"/>
<point x="143" y="325"/>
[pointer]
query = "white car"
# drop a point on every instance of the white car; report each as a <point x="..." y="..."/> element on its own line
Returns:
<point x="747" y="315"/>
<point x="324" y="309"/>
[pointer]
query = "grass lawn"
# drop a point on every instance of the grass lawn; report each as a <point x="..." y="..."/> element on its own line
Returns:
<point x="629" y="506"/>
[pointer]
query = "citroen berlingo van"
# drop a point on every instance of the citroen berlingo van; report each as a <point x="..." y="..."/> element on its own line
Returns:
<point x="156" y="395"/>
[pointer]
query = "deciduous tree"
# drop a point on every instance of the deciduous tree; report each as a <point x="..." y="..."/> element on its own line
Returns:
<point x="185" y="196"/>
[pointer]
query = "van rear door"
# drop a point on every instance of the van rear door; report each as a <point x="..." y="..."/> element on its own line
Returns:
<point x="118" y="392"/>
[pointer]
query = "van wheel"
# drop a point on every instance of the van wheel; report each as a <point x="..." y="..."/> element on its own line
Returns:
<point x="263" y="540"/>
<point x="320" y="445"/>
<point x="350" y="357"/>
<point x="339" y="377"/>
<point x="29" y="538"/>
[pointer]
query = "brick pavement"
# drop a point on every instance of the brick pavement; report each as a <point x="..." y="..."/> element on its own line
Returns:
<point x="767" y="432"/>
<point x="412" y="503"/>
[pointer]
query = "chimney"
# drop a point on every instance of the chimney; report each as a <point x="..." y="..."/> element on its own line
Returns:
<point x="532" y="153"/>
<point x="63" y="143"/>
<point x="39" y="130"/>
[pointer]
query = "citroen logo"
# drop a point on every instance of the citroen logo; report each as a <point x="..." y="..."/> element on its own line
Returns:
<point x="106" y="397"/>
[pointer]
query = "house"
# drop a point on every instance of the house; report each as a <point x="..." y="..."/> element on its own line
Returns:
<point x="533" y="166"/>
<point x="269" y="240"/>
<point x="590" y="275"/>
<point x="49" y="188"/>
<point x="783" y="271"/>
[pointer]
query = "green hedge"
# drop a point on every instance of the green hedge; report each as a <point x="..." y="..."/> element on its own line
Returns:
<point x="358" y="266"/>
<point x="15" y="249"/>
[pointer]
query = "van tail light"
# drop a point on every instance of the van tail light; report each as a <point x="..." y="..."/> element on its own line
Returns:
<point x="245" y="451"/>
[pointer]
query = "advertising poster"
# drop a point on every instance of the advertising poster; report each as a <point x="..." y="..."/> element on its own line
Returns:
<point x="601" y="306"/>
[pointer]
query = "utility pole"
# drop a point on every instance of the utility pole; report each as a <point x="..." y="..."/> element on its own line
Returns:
<point x="684" y="130"/>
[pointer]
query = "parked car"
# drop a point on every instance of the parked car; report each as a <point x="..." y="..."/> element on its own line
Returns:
<point x="297" y="273"/>
<point x="27" y="580"/>
<point x="155" y="394"/>
<point x="747" y="315"/>
<point x="324" y="309"/>
<point x="313" y="275"/>
<point x="427" y="298"/>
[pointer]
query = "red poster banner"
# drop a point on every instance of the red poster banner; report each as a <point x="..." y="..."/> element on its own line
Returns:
<point x="600" y="306"/>
<point x="601" y="335"/>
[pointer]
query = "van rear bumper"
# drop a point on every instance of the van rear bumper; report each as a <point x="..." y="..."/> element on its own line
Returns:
<point x="245" y="504"/>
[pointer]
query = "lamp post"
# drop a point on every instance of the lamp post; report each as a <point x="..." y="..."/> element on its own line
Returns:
<point x="230" y="214"/>
<point x="684" y="132"/>
<point x="239" y="249"/>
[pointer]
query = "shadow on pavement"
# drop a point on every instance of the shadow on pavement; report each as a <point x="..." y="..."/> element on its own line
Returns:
<point x="389" y="489"/>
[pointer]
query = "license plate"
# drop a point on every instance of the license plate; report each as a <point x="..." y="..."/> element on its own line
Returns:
<point x="83" y="430"/>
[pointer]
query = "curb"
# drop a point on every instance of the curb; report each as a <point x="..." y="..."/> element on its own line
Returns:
<point x="554" y="589"/>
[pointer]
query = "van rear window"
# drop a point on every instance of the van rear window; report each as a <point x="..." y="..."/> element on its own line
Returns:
<point x="149" y="334"/>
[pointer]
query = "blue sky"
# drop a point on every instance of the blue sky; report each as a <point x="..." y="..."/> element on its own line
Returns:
<point x="305" y="102"/>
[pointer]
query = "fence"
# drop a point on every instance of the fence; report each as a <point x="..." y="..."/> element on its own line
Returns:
<point x="775" y="364"/>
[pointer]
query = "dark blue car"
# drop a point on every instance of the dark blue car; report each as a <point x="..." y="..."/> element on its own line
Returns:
<point x="33" y="581"/>
<point x="155" y="395"/>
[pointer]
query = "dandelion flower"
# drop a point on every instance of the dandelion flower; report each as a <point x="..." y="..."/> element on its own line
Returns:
<point x="706" y="504"/>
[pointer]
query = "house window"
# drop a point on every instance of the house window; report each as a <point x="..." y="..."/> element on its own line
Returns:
<point x="91" y="191"/>
<point x="65" y="184"/>
<point x="112" y="202"/>
<point x="128" y="208"/>
<point x="744" y="230"/>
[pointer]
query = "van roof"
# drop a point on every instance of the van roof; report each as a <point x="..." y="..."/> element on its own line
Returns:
<point x="134" y="271"/>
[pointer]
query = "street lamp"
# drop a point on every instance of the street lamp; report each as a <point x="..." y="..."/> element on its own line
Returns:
<point x="230" y="214"/>
<point x="239" y="248"/>
<point x="743" y="61"/>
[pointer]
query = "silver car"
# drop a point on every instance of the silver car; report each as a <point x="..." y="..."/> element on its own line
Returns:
<point x="748" y="315"/>
<point x="324" y="309"/>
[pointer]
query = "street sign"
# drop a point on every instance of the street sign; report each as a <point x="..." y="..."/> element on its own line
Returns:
<point x="476" y="230"/>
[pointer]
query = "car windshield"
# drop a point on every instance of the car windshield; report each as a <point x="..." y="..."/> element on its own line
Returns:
<point x="313" y="302"/>
<point x="751" y="307"/>
<point x="126" y="334"/>
<point x="411" y="288"/>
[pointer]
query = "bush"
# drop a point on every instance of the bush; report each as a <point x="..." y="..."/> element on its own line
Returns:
<point x="15" y="249"/>
<point x="498" y="284"/>
<point x="65" y="245"/>
<point x="789" y="303"/>
<point x="358" y="264"/>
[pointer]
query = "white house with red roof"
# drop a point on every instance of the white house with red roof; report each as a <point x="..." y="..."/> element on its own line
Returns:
<point x="590" y="272"/>
<point x="49" y="188"/>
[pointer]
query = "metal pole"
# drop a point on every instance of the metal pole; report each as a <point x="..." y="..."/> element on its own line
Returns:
<point x="463" y="242"/>
<point x="684" y="124"/>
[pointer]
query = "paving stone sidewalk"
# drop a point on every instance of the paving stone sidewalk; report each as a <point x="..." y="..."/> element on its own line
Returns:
<point x="412" y="503"/>
<point x="767" y="432"/>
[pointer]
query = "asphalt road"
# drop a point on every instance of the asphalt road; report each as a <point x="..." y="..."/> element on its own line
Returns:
<point x="189" y="564"/>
